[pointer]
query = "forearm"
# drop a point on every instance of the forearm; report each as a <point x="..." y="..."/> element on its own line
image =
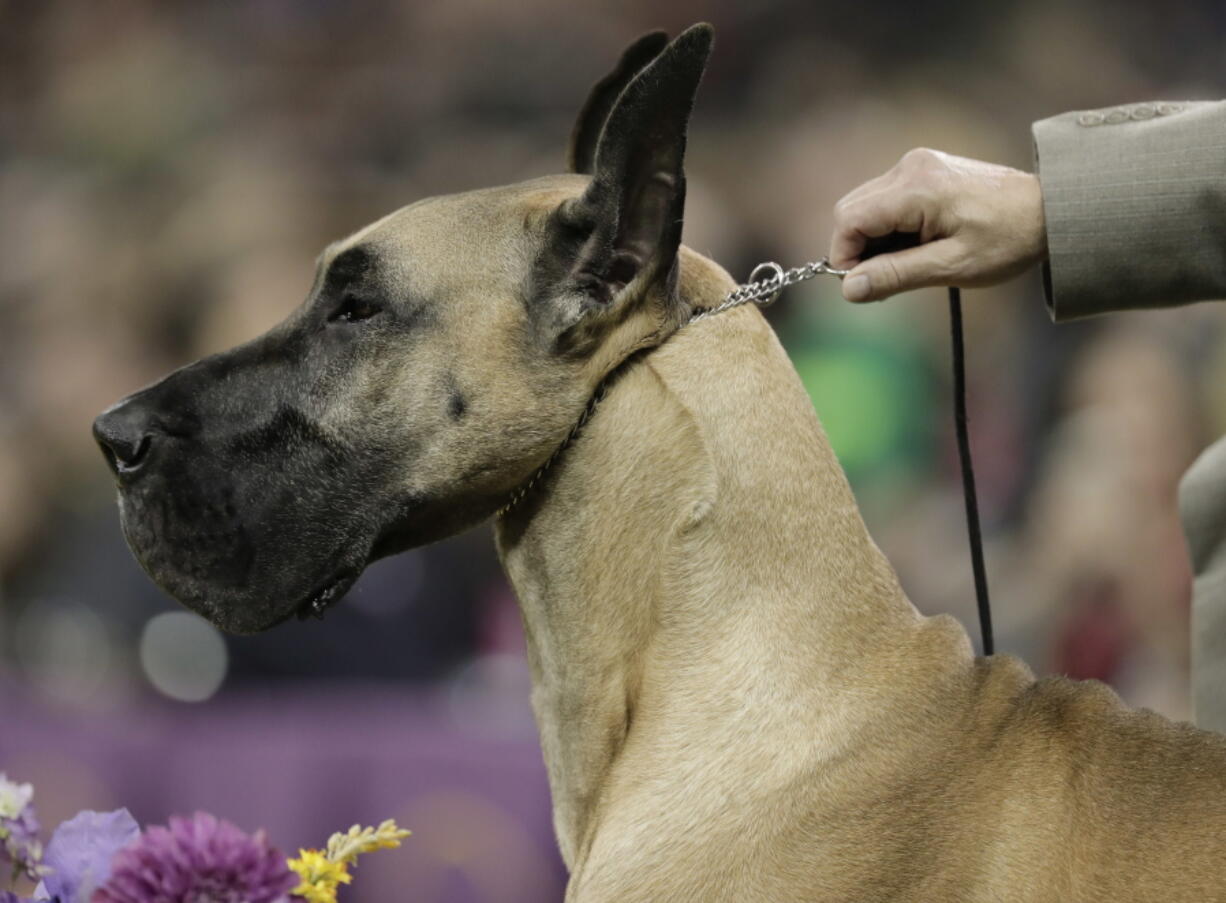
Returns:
<point x="1135" y="206"/>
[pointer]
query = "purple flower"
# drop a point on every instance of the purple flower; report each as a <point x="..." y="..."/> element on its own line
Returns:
<point x="198" y="860"/>
<point x="19" y="827"/>
<point x="81" y="852"/>
<point x="19" y="844"/>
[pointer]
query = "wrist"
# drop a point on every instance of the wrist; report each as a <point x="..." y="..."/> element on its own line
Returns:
<point x="1035" y="220"/>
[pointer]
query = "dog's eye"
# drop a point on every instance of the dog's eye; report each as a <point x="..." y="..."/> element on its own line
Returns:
<point x="352" y="309"/>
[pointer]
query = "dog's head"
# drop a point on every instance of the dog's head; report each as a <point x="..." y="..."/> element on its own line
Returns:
<point x="441" y="355"/>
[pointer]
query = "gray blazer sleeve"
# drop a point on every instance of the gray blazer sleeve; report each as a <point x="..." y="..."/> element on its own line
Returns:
<point x="1135" y="201"/>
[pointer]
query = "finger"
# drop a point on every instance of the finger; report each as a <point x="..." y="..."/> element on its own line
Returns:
<point x="888" y="274"/>
<point x="875" y="213"/>
<point x="847" y="241"/>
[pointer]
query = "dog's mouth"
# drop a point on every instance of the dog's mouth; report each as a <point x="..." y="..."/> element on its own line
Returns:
<point x="327" y="595"/>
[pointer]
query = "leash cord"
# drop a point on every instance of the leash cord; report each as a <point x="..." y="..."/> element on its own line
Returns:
<point x="968" y="472"/>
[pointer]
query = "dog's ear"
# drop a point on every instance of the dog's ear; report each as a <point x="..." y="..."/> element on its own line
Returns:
<point x="581" y="155"/>
<point x="618" y="240"/>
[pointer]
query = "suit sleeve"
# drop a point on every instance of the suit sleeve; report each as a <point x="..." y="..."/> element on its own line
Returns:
<point x="1135" y="203"/>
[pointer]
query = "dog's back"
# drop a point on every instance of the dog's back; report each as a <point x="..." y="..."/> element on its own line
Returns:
<point x="1094" y="800"/>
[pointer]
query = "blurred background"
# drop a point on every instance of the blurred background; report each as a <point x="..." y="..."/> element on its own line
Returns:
<point x="168" y="172"/>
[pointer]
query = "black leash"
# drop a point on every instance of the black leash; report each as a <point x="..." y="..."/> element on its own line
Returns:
<point x="898" y="241"/>
<point x="968" y="471"/>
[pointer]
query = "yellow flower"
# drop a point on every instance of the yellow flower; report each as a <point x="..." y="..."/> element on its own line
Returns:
<point x="320" y="876"/>
<point x="323" y="872"/>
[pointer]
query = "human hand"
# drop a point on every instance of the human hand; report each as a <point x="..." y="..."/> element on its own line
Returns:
<point x="976" y="223"/>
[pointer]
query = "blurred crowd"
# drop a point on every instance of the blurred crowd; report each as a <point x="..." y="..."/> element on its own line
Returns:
<point x="169" y="170"/>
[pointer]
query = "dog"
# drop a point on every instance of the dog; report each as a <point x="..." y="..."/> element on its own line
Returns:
<point x="736" y="700"/>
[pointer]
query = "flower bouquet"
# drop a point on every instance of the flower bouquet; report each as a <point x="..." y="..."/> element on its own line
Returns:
<point x="104" y="857"/>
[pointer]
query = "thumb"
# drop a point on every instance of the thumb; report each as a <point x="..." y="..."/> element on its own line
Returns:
<point x="900" y="271"/>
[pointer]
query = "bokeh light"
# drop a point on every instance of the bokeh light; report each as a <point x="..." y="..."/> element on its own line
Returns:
<point x="183" y="656"/>
<point x="64" y="648"/>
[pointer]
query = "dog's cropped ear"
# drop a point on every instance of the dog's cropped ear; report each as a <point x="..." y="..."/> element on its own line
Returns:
<point x="581" y="155"/>
<point x="619" y="239"/>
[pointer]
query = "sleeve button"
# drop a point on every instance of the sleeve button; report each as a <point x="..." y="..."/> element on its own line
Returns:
<point x="1115" y="117"/>
<point x="1142" y="111"/>
<point x="1089" y="119"/>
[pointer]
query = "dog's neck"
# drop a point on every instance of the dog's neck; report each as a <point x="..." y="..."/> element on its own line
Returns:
<point x="695" y="567"/>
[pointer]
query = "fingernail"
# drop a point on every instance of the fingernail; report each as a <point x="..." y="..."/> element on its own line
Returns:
<point x="856" y="288"/>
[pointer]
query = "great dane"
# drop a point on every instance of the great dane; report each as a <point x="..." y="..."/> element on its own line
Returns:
<point x="736" y="700"/>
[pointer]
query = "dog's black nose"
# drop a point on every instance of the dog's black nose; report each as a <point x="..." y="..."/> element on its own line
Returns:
<point x="125" y="435"/>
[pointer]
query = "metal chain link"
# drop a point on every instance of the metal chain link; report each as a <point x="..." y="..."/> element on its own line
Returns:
<point x="762" y="292"/>
<point x="518" y="495"/>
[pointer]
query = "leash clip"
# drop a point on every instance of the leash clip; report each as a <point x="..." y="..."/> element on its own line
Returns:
<point x="823" y="266"/>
